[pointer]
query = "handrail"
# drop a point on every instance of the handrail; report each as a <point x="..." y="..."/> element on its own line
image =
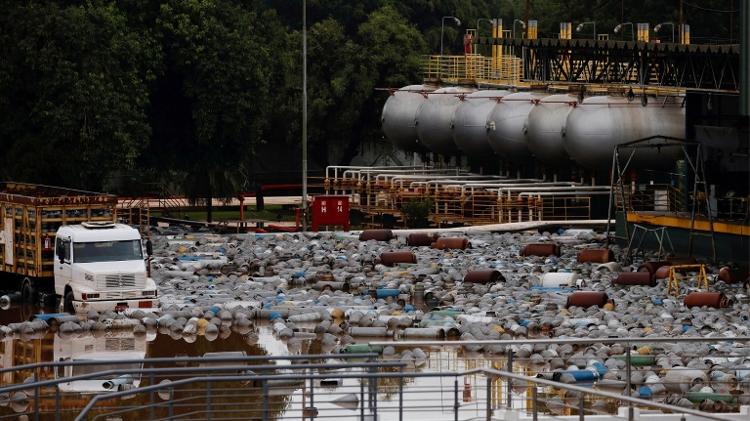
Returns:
<point x="572" y="341"/>
<point x="162" y="370"/>
<point x="247" y="358"/>
<point x="485" y="371"/>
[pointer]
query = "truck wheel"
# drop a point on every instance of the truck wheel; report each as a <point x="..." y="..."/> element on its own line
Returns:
<point x="68" y="303"/>
<point x="28" y="292"/>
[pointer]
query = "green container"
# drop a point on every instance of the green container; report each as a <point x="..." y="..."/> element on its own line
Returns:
<point x="697" y="397"/>
<point x="361" y="349"/>
<point x="638" y="360"/>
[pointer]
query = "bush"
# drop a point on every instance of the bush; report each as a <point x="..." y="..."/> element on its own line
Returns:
<point x="416" y="213"/>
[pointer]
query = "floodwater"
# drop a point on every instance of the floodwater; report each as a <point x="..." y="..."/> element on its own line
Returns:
<point x="428" y="398"/>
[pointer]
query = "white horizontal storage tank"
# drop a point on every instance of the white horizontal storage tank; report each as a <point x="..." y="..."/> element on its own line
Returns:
<point x="435" y="119"/>
<point x="399" y="116"/>
<point x="547" y="127"/>
<point x="470" y="124"/>
<point x="507" y="124"/>
<point x="600" y="123"/>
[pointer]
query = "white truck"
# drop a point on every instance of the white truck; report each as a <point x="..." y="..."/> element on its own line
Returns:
<point x="65" y="244"/>
<point x="101" y="265"/>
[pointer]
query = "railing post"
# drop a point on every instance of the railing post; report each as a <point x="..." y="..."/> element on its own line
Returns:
<point x="629" y="384"/>
<point x="170" y="409"/>
<point x="57" y="404"/>
<point x="455" y="399"/>
<point x="208" y="401"/>
<point x="535" y="402"/>
<point x="36" y="395"/>
<point x="489" y="399"/>
<point x="581" y="413"/>
<point x="312" y="397"/>
<point x="361" y="399"/>
<point x="508" y="395"/>
<point x="401" y="396"/>
<point x="265" y="400"/>
<point x="152" y="396"/>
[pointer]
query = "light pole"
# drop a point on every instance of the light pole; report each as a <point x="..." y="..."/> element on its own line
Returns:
<point x="658" y="27"/>
<point x="490" y="21"/>
<point x="618" y="28"/>
<point x="523" y="25"/>
<point x="304" y="115"/>
<point x="580" y="26"/>
<point x="442" y="29"/>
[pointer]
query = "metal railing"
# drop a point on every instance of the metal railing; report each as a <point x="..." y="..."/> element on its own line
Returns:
<point x="350" y="386"/>
<point x="505" y="69"/>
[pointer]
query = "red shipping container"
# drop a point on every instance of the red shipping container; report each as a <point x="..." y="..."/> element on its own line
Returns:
<point x="330" y="210"/>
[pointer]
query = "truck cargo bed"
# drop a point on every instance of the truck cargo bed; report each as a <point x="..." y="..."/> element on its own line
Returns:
<point x="30" y="215"/>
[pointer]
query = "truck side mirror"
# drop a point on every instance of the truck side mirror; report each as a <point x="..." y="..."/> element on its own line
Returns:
<point x="149" y="248"/>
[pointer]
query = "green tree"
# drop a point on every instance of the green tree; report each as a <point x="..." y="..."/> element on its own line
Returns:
<point x="215" y="87"/>
<point x="75" y="85"/>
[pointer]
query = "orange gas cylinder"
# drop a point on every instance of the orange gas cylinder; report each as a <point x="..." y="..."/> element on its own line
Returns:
<point x="602" y="255"/>
<point x="708" y="299"/>
<point x="443" y="243"/>
<point x="541" y="249"/>
<point x="377" y="235"/>
<point x="587" y="299"/>
<point x="392" y="258"/>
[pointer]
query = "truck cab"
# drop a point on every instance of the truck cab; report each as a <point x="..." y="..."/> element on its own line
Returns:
<point x="101" y="266"/>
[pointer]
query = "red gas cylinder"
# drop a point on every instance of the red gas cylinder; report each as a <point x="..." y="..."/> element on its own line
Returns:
<point x="541" y="249"/>
<point x="652" y="267"/>
<point x="377" y="235"/>
<point x="727" y="275"/>
<point x="595" y="256"/>
<point x="419" y="240"/>
<point x="708" y="299"/>
<point x="486" y="276"/>
<point x="587" y="299"/>
<point x="635" y="278"/>
<point x="443" y="243"/>
<point x="662" y="272"/>
<point x="392" y="258"/>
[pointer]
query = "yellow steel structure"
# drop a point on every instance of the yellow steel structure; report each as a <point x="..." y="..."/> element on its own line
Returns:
<point x="506" y="69"/>
<point x="673" y="282"/>
<point x="683" y="221"/>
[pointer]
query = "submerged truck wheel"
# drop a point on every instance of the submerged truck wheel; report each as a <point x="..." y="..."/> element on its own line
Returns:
<point x="68" y="302"/>
<point x="28" y="292"/>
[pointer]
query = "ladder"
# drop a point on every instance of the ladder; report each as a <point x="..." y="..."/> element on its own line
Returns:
<point x="699" y="172"/>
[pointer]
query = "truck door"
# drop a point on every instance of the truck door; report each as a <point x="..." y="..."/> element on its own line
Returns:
<point x="63" y="271"/>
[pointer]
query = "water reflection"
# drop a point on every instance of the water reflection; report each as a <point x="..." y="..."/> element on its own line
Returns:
<point x="287" y="399"/>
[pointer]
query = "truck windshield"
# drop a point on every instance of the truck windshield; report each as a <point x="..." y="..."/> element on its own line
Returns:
<point x="107" y="251"/>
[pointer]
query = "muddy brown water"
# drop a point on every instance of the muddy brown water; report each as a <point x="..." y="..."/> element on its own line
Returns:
<point x="236" y="399"/>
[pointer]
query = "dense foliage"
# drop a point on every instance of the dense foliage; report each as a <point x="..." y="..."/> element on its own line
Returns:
<point x="134" y="95"/>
